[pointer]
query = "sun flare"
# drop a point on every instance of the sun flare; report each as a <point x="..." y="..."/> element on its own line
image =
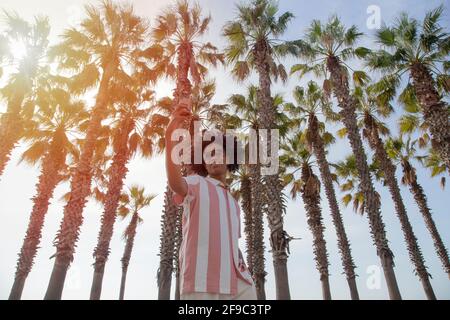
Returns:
<point x="18" y="49"/>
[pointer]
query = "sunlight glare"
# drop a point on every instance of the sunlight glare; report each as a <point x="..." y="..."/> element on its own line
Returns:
<point x="18" y="49"/>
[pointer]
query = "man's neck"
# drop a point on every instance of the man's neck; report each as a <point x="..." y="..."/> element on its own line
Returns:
<point x="221" y="178"/>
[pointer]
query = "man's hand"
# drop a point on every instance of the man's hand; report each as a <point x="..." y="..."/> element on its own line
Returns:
<point x="180" y="117"/>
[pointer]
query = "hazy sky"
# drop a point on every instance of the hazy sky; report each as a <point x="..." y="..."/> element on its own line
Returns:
<point x="17" y="187"/>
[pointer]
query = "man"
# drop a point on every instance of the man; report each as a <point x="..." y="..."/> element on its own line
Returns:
<point x="211" y="264"/>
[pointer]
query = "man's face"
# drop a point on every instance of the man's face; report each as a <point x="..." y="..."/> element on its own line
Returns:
<point x="217" y="166"/>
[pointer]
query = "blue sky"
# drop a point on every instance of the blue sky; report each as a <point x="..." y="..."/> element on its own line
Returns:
<point x="17" y="187"/>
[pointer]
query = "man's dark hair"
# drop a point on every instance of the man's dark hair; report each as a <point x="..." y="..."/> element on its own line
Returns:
<point x="200" y="169"/>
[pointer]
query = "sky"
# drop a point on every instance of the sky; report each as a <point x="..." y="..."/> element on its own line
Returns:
<point x="17" y="185"/>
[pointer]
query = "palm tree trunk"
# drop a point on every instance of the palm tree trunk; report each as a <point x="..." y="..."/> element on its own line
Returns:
<point x="177" y="285"/>
<point x="80" y="186"/>
<point x="17" y="288"/>
<point x="415" y="253"/>
<point x="130" y="234"/>
<point x="353" y="288"/>
<point x="247" y="206"/>
<point x="278" y="237"/>
<point x="339" y="82"/>
<point x="115" y="184"/>
<point x="57" y="279"/>
<point x="48" y="180"/>
<point x="326" y="292"/>
<point x="11" y="125"/>
<point x="97" y="281"/>
<point x="256" y="234"/>
<point x="123" y="280"/>
<point x="435" y="111"/>
<point x="421" y="200"/>
<point x="183" y="86"/>
<point x="167" y="245"/>
<point x="311" y="198"/>
<point x="176" y="254"/>
<point x="327" y="180"/>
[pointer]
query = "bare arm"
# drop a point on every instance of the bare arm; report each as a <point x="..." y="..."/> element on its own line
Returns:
<point x="175" y="179"/>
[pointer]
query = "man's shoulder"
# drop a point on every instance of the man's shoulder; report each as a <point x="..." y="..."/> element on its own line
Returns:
<point x="194" y="179"/>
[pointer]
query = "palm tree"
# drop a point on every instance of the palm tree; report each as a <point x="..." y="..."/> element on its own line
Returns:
<point x="403" y="152"/>
<point x="177" y="32"/>
<point x="170" y="219"/>
<point x="245" y="116"/>
<point x="253" y="196"/>
<point x="131" y="203"/>
<point x="240" y="184"/>
<point x="22" y="84"/>
<point x="308" y="185"/>
<point x="132" y="131"/>
<point x="310" y="103"/>
<point x="51" y="136"/>
<point x="418" y="49"/>
<point x="110" y="38"/>
<point x="254" y="44"/>
<point x="169" y="246"/>
<point x="326" y="48"/>
<point x="373" y="128"/>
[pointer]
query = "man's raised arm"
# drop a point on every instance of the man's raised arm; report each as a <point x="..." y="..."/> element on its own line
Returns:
<point x="180" y="116"/>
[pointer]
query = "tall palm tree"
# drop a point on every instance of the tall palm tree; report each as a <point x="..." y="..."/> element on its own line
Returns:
<point x="373" y="129"/>
<point x="403" y="151"/>
<point x="110" y="38"/>
<point x="169" y="246"/>
<point x="132" y="131"/>
<point x="51" y="136"/>
<point x="244" y="115"/>
<point x="254" y="44"/>
<point x="21" y="86"/>
<point x="177" y="33"/>
<point x="308" y="185"/>
<point x="310" y="104"/>
<point x="326" y="49"/>
<point x="253" y="195"/>
<point x="132" y="202"/>
<point x="170" y="219"/>
<point x="240" y="184"/>
<point x="420" y="49"/>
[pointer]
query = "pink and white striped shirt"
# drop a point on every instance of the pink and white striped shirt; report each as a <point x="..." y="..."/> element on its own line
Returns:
<point x="209" y="253"/>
